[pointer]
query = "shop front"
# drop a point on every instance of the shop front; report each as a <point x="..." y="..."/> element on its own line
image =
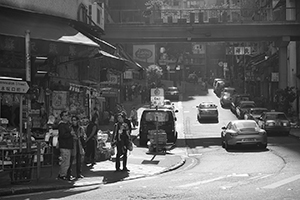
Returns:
<point x="55" y="49"/>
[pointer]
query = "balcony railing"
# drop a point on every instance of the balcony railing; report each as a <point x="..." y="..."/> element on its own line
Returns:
<point x="199" y="16"/>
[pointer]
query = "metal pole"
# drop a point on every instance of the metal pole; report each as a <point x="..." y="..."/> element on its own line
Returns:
<point x="21" y="121"/>
<point x="28" y="79"/>
<point x="156" y="138"/>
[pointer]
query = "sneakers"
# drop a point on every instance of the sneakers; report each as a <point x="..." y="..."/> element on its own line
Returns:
<point x="65" y="178"/>
<point x="125" y="170"/>
<point x="80" y="176"/>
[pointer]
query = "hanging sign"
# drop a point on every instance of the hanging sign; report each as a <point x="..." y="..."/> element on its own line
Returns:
<point x="13" y="86"/>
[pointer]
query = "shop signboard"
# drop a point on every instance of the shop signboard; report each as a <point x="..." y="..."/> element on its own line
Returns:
<point x="10" y="86"/>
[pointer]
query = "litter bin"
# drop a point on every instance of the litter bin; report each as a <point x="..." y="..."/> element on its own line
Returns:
<point x="22" y="165"/>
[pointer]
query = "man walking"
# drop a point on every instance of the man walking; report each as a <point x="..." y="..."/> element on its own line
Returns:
<point x="65" y="143"/>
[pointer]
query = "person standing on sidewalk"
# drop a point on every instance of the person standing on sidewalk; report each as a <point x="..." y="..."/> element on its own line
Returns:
<point x="78" y="150"/>
<point x="134" y="117"/>
<point x="121" y="137"/>
<point x="91" y="140"/>
<point x="65" y="143"/>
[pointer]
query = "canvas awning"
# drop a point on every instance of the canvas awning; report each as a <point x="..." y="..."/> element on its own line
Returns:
<point x="49" y="35"/>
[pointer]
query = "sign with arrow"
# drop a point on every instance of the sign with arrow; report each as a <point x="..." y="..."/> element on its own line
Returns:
<point x="13" y="86"/>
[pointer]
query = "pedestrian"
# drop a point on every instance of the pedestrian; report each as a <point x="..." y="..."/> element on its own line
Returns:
<point x="134" y="117"/>
<point x="65" y="143"/>
<point x="91" y="140"/>
<point x="127" y="121"/>
<point x="78" y="150"/>
<point x="121" y="138"/>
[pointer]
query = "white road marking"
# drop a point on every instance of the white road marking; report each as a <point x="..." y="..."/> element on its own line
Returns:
<point x="282" y="182"/>
<point x="202" y="182"/>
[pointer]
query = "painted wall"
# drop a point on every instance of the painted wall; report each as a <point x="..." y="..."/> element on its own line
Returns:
<point x="62" y="8"/>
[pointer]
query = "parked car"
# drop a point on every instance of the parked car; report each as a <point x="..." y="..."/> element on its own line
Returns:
<point x="172" y="93"/>
<point x="255" y="113"/>
<point x="275" y="122"/>
<point x="163" y="118"/>
<point x="236" y="99"/>
<point x="207" y="111"/>
<point x="216" y="80"/>
<point x="226" y="100"/>
<point x="243" y="108"/>
<point x="243" y="132"/>
<point x="219" y="87"/>
<point x="230" y="90"/>
<point x="168" y="104"/>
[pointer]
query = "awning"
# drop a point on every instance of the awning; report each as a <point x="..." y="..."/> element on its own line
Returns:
<point x="108" y="55"/>
<point x="130" y="62"/>
<point x="49" y="35"/>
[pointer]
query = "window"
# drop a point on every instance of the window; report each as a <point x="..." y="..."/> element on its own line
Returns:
<point x="98" y="16"/>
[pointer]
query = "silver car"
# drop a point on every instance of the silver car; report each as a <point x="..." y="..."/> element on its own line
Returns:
<point x="243" y="132"/>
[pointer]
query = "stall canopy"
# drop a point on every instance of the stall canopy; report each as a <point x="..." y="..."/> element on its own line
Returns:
<point x="49" y="35"/>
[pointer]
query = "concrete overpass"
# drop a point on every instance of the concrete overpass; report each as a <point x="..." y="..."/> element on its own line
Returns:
<point x="141" y="33"/>
<point x="280" y="32"/>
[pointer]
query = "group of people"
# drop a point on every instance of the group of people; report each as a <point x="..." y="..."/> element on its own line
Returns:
<point x="78" y="143"/>
<point x="75" y="143"/>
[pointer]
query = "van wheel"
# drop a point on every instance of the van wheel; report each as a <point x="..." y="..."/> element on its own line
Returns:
<point x="143" y="141"/>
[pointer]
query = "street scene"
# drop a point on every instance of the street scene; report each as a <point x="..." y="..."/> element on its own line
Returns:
<point x="149" y="99"/>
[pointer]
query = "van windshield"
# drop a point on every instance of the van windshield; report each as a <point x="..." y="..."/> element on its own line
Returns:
<point x="160" y="116"/>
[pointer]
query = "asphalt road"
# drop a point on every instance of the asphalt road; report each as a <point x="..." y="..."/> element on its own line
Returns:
<point x="210" y="172"/>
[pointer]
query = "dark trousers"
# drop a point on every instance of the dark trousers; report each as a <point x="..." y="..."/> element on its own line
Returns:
<point x="121" y="151"/>
<point x="91" y="150"/>
<point x="78" y="163"/>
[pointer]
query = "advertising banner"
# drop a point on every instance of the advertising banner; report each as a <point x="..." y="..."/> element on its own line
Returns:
<point x="144" y="53"/>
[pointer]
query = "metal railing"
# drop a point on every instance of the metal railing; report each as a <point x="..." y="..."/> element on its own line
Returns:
<point x="223" y="15"/>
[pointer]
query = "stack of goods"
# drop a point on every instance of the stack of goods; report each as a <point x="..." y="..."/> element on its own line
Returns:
<point x="104" y="148"/>
<point x="8" y="137"/>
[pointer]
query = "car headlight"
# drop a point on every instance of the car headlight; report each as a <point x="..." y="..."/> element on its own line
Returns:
<point x="285" y="124"/>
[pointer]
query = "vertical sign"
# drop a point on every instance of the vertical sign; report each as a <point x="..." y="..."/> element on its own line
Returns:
<point x="28" y="78"/>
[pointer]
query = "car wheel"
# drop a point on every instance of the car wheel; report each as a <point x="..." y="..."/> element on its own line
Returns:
<point x="223" y="144"/>
<point x="287" y="133"/>
<point x="227" y="146"/>
<point x="143" y="140"/>
<point x="263" y="146"/>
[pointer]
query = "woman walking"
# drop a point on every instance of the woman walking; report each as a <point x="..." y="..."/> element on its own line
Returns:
<point x="91" y="140"/>
<point x="121" y="139"/>
<point x="78" y="150"/>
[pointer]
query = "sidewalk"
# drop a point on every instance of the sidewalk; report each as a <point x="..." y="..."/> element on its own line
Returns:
<point x="140" y="165"/>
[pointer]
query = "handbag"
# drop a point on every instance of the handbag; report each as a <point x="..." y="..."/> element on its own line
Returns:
<point x="129" y="145"/>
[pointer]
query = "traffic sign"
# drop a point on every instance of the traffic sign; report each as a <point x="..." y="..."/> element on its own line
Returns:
<point x="13" y="86"/>
<point x="157" y="96"/>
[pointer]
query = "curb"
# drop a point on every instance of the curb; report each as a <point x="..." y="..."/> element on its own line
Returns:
<point x="28" y="189"/>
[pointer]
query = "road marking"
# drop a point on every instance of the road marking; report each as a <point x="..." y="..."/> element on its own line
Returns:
<point x="282" y="182"/>
<point x="202" y="182"/>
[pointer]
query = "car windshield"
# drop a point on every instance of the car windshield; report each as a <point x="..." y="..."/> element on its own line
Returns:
<point x="246" y="125"/>
<point x="167" y="102"/>
<point x="258" y="112"/>
<point x="276" y="116"/>
<point x="172" y="89"/>
<point x="247" y="105"/>
<point x="207" y="105"/>
<point x="157" y="116"/>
